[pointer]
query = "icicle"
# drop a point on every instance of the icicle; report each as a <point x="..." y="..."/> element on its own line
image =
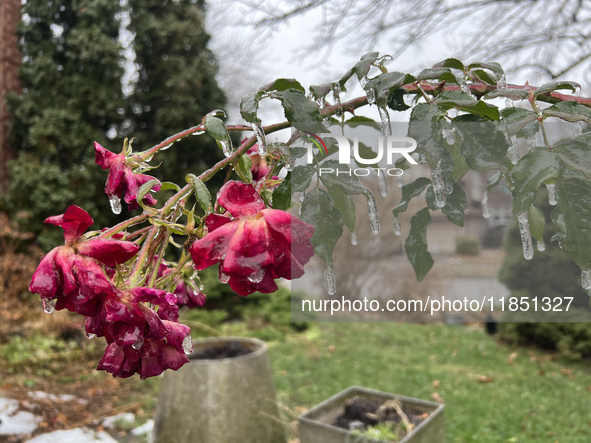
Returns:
<point x="371" y="96"/>
<point x="329" y="279"/>
<point x="399" y="181"/>
<point x="397" y="226"/>
<point x="260" y="135"/>
<point x="48" y="305"/>
<point x="227" y="147"/>
<point x="353" y="238"/>
<point x="188" y="344"/>
<point x="528" y="249"/>
<point x="385" y="118"/>
<point x="257" y="276"/>
<point x="382" y="182"/>
<point x="115" y="204"/>
<point x="502" y="84"/>
<point x="552" y="194"/>
<point x="336" y="94"/>
<point x="202" y="288"/>
<point x="577" y="129"/>
<point x="586" y="281"/>
<point x="138" y="344"/>
<point x="531" y="142"/>
<point x="485" y="208"/>
<point x="541" y="246"/>
<point x="438" y="185"/>
<point x="513" y="151"/>
<point x="463" y="85"/>
<point x="363" y="81"/>
<point x="372" y="207"/>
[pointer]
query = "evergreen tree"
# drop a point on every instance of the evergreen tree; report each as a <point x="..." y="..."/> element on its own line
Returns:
<point x="176" y="85"/>
<point x="71" y="76"/>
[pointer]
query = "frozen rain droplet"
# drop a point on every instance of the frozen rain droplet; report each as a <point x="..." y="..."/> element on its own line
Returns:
<point x="449" y="135"/>
<point x="513" y="151"/>
<point x="257" y="276"/>
<point x="372" y="207"/>
<point x="531" y="142"/>
<point x="383" y="184"/>
<point x="353" y="238"/>
<point x="528" y="249"/>
<point x="48" y="305"/>
<point x="485" y="208"/>
<point x="449" y="186"/>
<point x="385" y="118"/>
<point x="438" y="185"/>
<point x="188" y="344"/>
<point x="224" y="278"/>
<point x="227" y="147"/>
<point x="552" y="194"/>
<point x="586" y="281"/>
<point x="202" y="288"/>
<point x="541" y="246"/>
<point x="138" y="344"/>
<point x="115" y="204"/>
<point x="371" y="96"/>
<point x="336" y="94"/>
<point x="261" y="140"/>
<point x="399" y="181"/>
<point x="198" y="133"/>
<point x="397" y="226"/>
<point x="329" y="279"/>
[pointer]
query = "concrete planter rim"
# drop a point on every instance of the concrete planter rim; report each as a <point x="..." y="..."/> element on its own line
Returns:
<point x="351" y="390"/>
<point x="260" y="348"/>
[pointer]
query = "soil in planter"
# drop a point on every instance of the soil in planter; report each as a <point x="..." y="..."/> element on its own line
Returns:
<point x="389" y="420"/>
<point x="227" y="350"/>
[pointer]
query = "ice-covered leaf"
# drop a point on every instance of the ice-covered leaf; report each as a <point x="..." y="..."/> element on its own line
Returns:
<point x="345" y="204"/>
<point x="283" y="84"/>
<point x="484" y="146"/>
<point x="396" y="100"/>
<point x="202" y="194"/>
<point x="517" y="118"/>
<point x="450" y="63"/>
<point x="537" y="222"/>
<point x="409" y="191"/>
<point x="249" y="106"/>
<point x="425" y="128"/>
<point x="465" y="102"/>
<point x="299" y="109"/>
<point x="556" y="86"/>
<point x="243" y="168"/>
<point x="415" y="245"/>
<point x="216" y="128"/>
<point x="513" y="94"/>
<point x="570" y="111"/>
<point x="575" y="154"/>
<point x="455" y="204"/>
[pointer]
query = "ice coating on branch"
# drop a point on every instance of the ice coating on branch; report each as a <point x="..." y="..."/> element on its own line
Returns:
<point x="372" y="207"/>
<point x="526" y="241"/>
<point x="353" y="238"/>
<point x="227" y="147"/>
<point x="383" y="184"/>
<point x="336" y="94"/>
<point x="397" y="226"/>
<point x="48" y="305"/>
<point x="485" y="208"/>
<point x="399" y="181"/>
<point x="513" y="151"/>
<point x="438" y="185"/>
<point x="260" y="135"/>
<point x="586" y="281"/>
<point x="541" y="246"/>
<point x="115" y="204"/>
<point x="329" y="279"/>
<point x="551" y="194"/>
<point x="531" y="142"/>
<point x="385" y="119"/>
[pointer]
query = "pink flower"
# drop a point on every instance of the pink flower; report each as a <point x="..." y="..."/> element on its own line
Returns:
<point x="186" y="292"/>
<point x="255" y="245"/>
<point x="122" y="180"/>
<point x="72" y="275"/>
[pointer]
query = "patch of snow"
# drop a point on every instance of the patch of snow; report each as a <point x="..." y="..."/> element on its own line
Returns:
<point x="8" y="406"/>
<point x="144" y="429"/>
<point x="40" y="395"/>
<point x="126" y="417"/>
<point x="78" y="435"/>
<point x="20" y="423"/>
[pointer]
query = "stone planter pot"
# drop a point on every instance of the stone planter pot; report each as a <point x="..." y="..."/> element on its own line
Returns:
<point x="315" y="425"/>
<point x="220" y="401"/>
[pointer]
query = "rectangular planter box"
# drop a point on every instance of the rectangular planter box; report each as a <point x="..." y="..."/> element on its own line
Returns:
<point x="315" y="425"/>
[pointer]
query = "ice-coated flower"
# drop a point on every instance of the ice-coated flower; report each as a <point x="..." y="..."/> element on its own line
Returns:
<point x="187" y="293"/>
<point x="122" y="181"/>
<point x="72" y="275"/>
<point x="254" y="245"/>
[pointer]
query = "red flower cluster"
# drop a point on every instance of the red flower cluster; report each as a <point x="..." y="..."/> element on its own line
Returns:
<point x="73" y="277"/>
<point x="122" y="180"/>
<point x="253" y="245"/>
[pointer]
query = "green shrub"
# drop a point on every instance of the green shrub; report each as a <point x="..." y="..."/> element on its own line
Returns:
<point x="467" y="245"/>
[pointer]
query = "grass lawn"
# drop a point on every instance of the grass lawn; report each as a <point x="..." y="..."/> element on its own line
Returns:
<point x="533" y="399"/>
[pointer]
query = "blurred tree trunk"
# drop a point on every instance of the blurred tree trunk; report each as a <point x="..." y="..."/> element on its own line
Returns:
<point x="10" y="58"/>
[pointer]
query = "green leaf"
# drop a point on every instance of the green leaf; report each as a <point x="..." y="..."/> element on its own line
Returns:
<point x="299" y="109"/>
<point x="415" y="245"/>
<point x="460" y="167"/>
<point x="143" y="191"/>
<point x="450" y="63"/>
<point x="249" y="107"/>
<point x="216" y="128"/>
<point x="170" y="186"/>
<point x="282" y="194"/>
<point x="555" y="86"/>
<point x="301" y="177"/>
<point x="365" y="152"/>
<point x="345" y="204"/>
<point x="483" y="76"/>
<point x="484" y="146"/>
<point x="517" y="118"/>
<point x="409" y="191"/>
<point x="493" y="180"/>
<point x="243" y="168"/>
<point x="455" y="205"/>
<point x="537" y="223"/>
<point x="345" y="178"/>
<point x="283" y="84"/>
<point x="493" y="67"/>
<point x="513" y="94"/>
<point x="572" y="216"/>
<point x="574" y="153"/>
<point x="383" y="84"/>
<point x="364" y="65"/>
<point x="396" y="100"/>
<point x="533" y="169"/>
<point x="439" y="73"/>
<point x="202" y="194"/>
<point x="570" y="111"/>
<point x="320" y="91"/>
<point x="359" y="119"/>
<point x="319" y="210"/>
<point x="465" y="102"/>
<point x="425" y="128"/>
